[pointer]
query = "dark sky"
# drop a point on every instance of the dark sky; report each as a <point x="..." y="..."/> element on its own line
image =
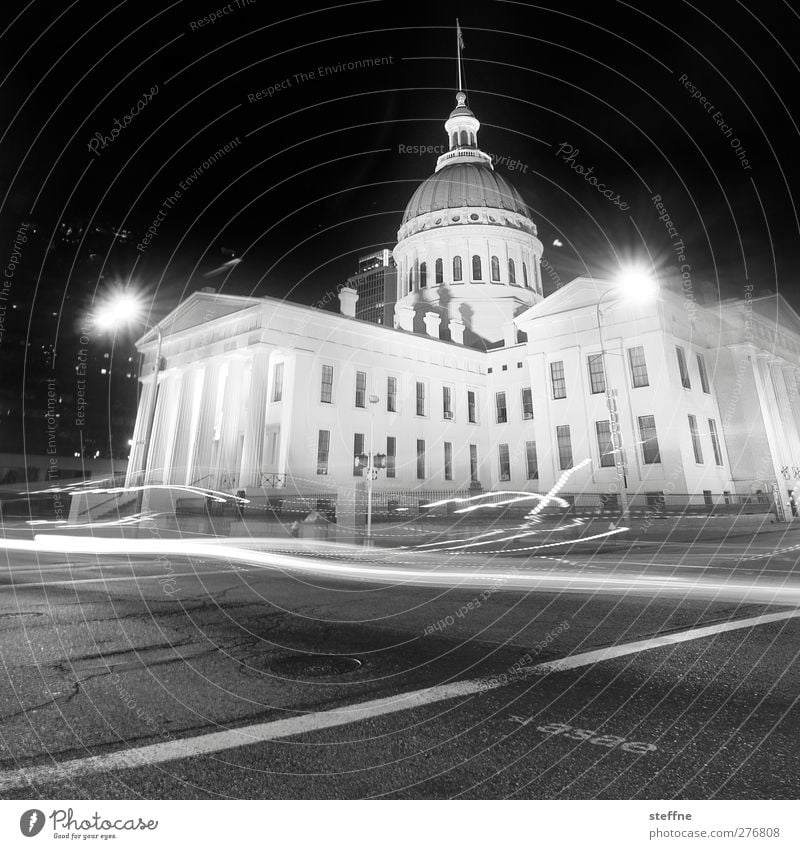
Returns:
<point x="318" y="175"/>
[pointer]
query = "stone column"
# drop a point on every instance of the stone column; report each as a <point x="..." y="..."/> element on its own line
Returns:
<point x="136" y="459"/>
<point x="253" y="452"/>
<point x="204" y="434"/>
<point x="163" y="426"/>
<point x="432" y="322"/>
<point x="228" y="466"/>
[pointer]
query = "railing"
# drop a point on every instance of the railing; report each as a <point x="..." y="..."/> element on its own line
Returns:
<point x="271" y="480"/>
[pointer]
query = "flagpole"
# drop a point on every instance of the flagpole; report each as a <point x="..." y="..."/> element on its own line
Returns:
<point x="458" y="52"/>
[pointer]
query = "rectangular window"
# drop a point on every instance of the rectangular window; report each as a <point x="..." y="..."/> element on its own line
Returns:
<point x="527" y="403"/>
<point x="605" y="445"/>
<point x="473" y="463"/>
<point x="326" y="388"/>
<point x="682" y="368"/>
<point x="361" y="389"/>
<point x="531" y="460"/>
<point x="358" y="448"/>
<point x="597" y="378"/>
<point x="277" y="382"/>
<point x="420" y="398"/>
<point x="701" y="367"/>
<point x="712" y="429"/>
<point x="391" y="394"/>
<point x="696" y="445"/>
<point x="564" y="447"/>
<point x="557" y="379"/>
<point x="638" y="366"/>
<point x="471" y="412"/>
<point x="447" y="402"/>
<point x="500" y="405"/>
<point x="448" y="461"/>
<point x="649" y="440"/>
<point x="391" y="457"/>
<point x="323" y="449"/>
<point x="505" y="462"/>
<point x="421" y="459"/>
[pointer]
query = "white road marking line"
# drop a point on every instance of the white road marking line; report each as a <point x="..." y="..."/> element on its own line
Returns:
<point x="218" y="741"/>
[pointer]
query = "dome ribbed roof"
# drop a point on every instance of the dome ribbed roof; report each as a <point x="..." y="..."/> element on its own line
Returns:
<point x="464" y="184"/>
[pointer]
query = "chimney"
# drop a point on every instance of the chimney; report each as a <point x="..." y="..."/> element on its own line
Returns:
<point x="457" y="331"/>
<point x="432" y="322"/>
<point x="404" y="316"/>
<point x="347" y="301"/>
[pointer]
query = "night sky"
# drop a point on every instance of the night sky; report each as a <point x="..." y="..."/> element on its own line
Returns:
<point x="318" y="174"/>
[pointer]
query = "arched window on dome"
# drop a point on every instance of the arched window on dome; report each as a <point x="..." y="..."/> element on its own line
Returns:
<point x="423" y="275"/>
<point x="512" y="273"/>
<point x="454" y="141"/>
<point x="457" y="273"/>
<point x="464" y="139"/>
<point x="439" y="272"/>
<point x="525" y="275"/>
<point x="411" y="279"/>
<point x="477" y="274"/>
<point x="495" y="270"/>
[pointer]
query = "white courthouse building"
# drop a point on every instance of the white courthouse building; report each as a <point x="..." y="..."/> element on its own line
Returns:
<point x="482" y="383"/>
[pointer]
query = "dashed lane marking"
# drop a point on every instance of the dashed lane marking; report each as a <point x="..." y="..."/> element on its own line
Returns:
<point x="219" y="741"/>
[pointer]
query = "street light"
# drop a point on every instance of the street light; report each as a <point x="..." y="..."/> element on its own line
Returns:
<point x="633" y="284"/>
<point x="121" y="310"/>
<point x="371" y="463"/>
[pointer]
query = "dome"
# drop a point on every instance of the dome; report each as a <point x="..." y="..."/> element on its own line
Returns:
<point x="464" y="184"/>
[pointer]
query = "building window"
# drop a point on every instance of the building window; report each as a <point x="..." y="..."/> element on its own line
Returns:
<point x="420" y="398"/>
<point x="423" y="275"/>
<point x="448" y="461"/>
<point x="605" y="445"/>
<point x="476" y="268"/>
<point x="439" y="271"/>
<point x="712" y="429"/>
<point x="326" y="386"/>
<point x="473" y="463"/>
<point x="564" y="441"/>
<point x="361" y="389"/>
<point x="447" y="402"/>
<point x="500" y="406"/>
<point x="512" y="273"/>
<point x="323" y="448"/>
<point x="421" y="459"/>
<point x="525" y="275"/>
<point x="696" y="445"/>
<point x="471" y="411"/>
<point x="638" y="366"/>
<point x="558" y="380"/>
<point x="495" y="270"/>
<point x="597" y="377"/>
<point x="701" y="367"/>
<point x="505" y="462"/>
<point x="685" y="382"/>
<point x="391" y="394"/>
<point x="391" y="457"/>
<point x="531" y="460"/>
<point x="277" y="382"/>
<point x="649" y="440"/>
<point x="527" y="403"/>
<point x="358" y="448"/>
<point x="457" y="273"/>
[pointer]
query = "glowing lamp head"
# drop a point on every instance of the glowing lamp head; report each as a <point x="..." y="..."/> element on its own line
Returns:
<point x="636" y="283"/>
<point x="118" y="311"/>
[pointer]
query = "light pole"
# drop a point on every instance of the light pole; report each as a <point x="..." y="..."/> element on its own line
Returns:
<point x="370" y="462"/>
<point x="632" y="284"/>
<point x="125" y="309"/>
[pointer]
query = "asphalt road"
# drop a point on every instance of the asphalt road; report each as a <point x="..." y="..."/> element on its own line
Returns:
<point x="278" y="670"/>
